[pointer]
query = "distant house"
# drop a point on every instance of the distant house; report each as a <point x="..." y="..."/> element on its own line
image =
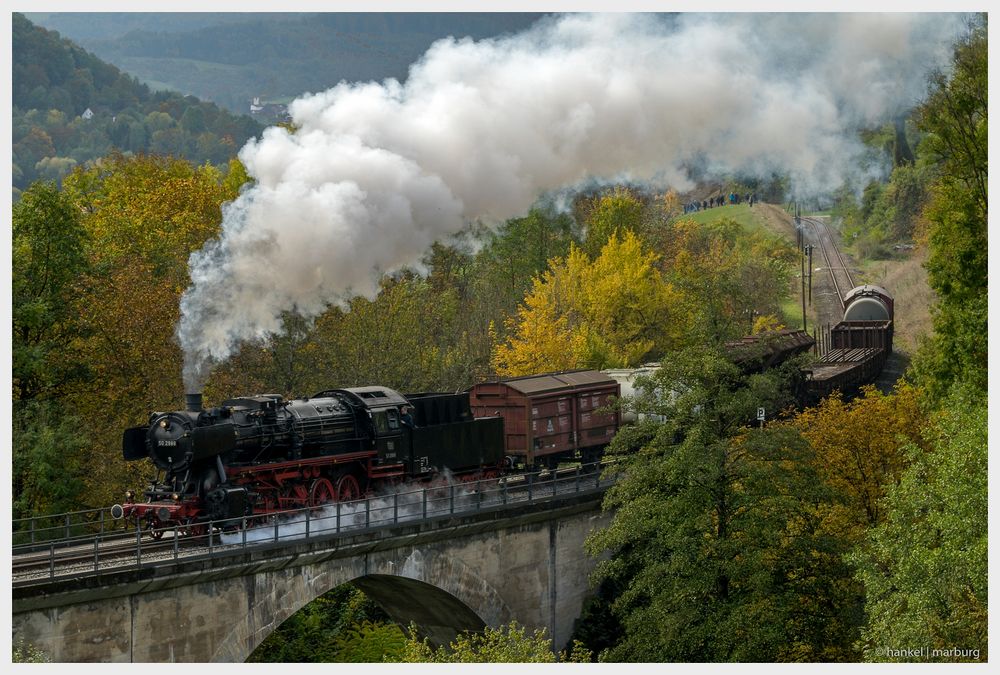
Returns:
<point x="269" y="112"/>
<point x="87" y="114"/>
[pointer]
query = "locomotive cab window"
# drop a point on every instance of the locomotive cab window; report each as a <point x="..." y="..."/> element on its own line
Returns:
<point x="381" y="423"/>
<point x="393" y="418"/>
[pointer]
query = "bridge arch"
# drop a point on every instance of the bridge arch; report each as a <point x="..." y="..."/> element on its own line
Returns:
<point x="523" y="560"/>
<point x="441" y="594"/>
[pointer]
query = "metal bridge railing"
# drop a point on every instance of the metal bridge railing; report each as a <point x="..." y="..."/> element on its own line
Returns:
<point x="78" y="555"/>
<point x="56" y="528"/>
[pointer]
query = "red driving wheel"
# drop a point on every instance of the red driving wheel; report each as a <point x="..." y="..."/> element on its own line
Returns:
<point x="321" y="492"/>
<point x="348" y="488"/>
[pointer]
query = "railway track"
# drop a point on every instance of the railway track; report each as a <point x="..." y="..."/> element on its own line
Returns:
<point x="836" y="264"/>
<point x="100" y="552"/>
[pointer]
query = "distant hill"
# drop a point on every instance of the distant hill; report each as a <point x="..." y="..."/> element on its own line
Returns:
<point x="71" y="107"/>
<point x="233" y="58"/>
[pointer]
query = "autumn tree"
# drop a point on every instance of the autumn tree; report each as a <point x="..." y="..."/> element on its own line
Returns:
<point x="729" y="275"/>
<point x="860" y="449"/>
<point x="614" y="310"/>
<point x="542" y="338"/>
<point x="143" y="216"/>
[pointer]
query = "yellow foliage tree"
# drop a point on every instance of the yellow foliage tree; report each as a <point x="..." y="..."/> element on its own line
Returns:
<point x="542" y="339"/>
<point x="860" y="450"/>
<point x="143" y="215"/>
<point x="613" y="311"/>
<point x="767" y="323"/>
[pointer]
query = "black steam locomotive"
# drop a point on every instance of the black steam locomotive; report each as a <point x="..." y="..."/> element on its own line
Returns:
<point x="253" y="456"/>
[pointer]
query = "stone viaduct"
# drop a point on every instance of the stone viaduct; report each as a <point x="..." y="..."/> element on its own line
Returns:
<point x="519" y="561"/>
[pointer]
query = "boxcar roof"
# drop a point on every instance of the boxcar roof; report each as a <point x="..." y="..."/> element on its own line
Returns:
<point x="571" y="380"/>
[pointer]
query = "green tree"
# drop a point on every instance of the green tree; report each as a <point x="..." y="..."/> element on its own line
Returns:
<point x="506" y="644"/>
<point x="716" y="544"/>
<point x="522" y="247"/>
<point x="955" y="120"/>
<point x="341" y="625"/>
<point x="46" y="467"/>
<point x="613" y="214"/>
<point x="370" y="642"/>
<point x="48" y="254"/>
<point x="23" y="652"/>
<point x="193" y="120"/>
<point x="727" y="275"/>
<point x="925" y="567"/>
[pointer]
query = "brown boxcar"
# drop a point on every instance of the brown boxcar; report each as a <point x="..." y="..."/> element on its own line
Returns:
<point x="553" y="416"/>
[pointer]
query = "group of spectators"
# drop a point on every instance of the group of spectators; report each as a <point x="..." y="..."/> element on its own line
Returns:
<point x="720" y="200"/>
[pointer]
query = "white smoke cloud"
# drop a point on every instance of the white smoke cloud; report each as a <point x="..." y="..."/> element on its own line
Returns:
<point x="479" y="130"/>
<point x="445" y="496"/>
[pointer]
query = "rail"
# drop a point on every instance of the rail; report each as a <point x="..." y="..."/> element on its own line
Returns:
<point x="74" y="557"/>
<point x="836" y="262"/>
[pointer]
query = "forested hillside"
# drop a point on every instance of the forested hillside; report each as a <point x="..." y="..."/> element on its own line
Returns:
<point x="71" y="108"/>
<point x="852" y="531"/>
<point x="232" y="58"/>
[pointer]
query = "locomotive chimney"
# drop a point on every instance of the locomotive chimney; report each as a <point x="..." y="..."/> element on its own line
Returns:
<point x="193" y="402"/>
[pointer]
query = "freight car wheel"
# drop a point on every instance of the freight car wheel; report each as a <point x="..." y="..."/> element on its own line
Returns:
<point x="321" y="492"/>
<point x="348" y="489"/>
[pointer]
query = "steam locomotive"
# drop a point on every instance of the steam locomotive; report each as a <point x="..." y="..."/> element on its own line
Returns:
<point x="258" y="455"/>
<point x="262" y="454"/>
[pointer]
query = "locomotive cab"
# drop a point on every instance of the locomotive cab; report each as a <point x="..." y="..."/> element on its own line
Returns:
<point x="390" y="437"/>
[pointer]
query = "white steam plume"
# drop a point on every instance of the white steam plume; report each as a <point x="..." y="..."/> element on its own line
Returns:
<point x="377" y="172"/>
<point x="445" y="496"/>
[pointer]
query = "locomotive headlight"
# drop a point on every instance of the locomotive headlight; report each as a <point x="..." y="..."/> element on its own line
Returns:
<point x="163" y="424"/>
<point x="176" y="497"/>
<point x="130" y="495"/>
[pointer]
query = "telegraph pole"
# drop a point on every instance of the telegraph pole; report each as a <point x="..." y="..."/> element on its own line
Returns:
<point x="809" y="250"/>
<point x="802" y="257"/>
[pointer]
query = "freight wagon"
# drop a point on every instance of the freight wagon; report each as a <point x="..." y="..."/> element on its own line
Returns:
<point x="551" y="417"/>
<point x="855" y="350"/>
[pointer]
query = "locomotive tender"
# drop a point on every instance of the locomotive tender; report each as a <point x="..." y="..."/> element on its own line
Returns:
<point x="256" y="455"/>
